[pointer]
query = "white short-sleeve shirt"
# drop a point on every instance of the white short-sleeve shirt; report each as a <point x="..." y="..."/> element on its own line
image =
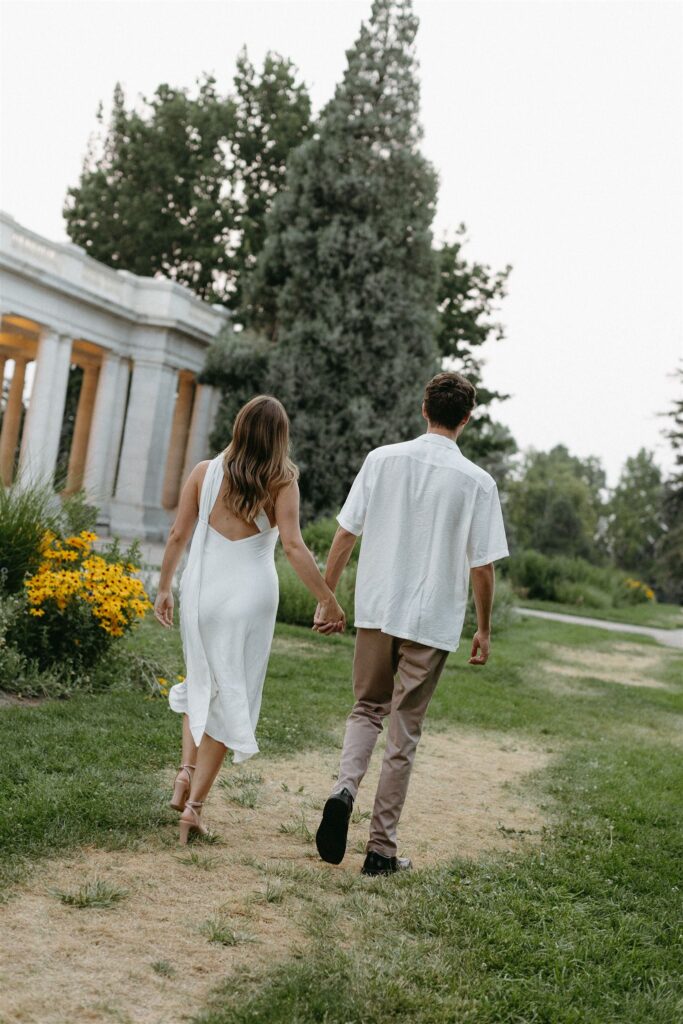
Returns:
<point x="428" y="515"/>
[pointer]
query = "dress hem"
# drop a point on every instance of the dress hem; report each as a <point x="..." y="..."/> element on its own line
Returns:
<point x="178" y="704"/>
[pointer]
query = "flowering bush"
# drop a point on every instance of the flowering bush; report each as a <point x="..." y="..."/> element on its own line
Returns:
<point x="638" y="592"/>
<point x="25" y="516"/>
<point x="573" y="581"/>
<point x="162" y="685"/>
<point x="78" y="601"/>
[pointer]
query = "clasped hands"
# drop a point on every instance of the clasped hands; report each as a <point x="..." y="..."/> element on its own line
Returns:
<point x="329" y="617"/>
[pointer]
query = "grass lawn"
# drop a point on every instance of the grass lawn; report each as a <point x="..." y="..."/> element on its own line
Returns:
<point x="585" y="927"/>
<point x="661" y="616"/>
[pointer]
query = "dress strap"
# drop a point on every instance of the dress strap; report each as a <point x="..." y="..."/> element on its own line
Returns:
<point x="210" y="487"/>
<point x="262" y="521"/>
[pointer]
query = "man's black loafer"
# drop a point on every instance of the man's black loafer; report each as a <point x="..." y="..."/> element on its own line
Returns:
<point x="334" y="827"/>
<point x="376" y="864"/>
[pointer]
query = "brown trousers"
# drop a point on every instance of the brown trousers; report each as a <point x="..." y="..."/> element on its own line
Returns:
<point x="395" y="678"/>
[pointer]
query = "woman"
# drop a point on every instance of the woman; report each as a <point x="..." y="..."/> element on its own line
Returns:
<point x="240" y="502"/>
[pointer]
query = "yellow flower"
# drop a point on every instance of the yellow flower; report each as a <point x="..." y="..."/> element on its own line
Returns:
<point x="115" y="598"/>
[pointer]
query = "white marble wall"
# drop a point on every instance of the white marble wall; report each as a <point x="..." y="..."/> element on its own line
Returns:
<point x="142" y="335"/>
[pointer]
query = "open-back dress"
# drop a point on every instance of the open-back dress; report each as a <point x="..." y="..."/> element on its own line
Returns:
<point x="228" y="602"/>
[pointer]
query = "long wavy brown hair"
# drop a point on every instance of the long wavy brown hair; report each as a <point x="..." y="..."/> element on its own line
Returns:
<point x="256" y="463"/>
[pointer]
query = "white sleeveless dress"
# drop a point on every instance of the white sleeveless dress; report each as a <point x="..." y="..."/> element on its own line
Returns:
<point x="228" y="602"/>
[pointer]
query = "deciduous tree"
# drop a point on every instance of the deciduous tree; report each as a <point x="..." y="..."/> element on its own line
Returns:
<point x="635" y="516"/>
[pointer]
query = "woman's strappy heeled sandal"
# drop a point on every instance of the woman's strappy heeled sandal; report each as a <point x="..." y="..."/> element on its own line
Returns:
<point x="181" y="787"/>
<point x="192" y="824"/>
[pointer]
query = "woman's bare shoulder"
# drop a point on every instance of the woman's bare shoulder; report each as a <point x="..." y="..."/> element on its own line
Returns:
<point x="198" y="473"/>
<point x="200" y="469"/>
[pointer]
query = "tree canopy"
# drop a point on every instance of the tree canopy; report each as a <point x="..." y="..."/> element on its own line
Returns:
<point x="555" y="504"/>
<point x="635" y="515"/>
<point x="181" y="185"/>
<point x="346" y="279"/>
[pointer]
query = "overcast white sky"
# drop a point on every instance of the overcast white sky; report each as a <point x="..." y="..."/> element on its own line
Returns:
<point x="556" y="127"/>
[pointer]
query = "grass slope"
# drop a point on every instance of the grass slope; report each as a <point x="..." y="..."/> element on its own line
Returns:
<point x="585" y="929"/>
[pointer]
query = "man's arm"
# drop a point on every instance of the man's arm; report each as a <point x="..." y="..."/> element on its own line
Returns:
<point x="337" y="560"/>
<point x="483" y="586"/>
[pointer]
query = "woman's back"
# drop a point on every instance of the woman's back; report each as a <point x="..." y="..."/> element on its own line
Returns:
<point x="228" y="603"/>
<point x="224" y="521"/>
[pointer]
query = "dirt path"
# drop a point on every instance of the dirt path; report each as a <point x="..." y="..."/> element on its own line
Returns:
<point x="148" y="960"/>
<point x="668" y="637"/>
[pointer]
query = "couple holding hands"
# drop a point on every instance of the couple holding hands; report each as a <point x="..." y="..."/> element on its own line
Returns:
<point x="430" y="521"/>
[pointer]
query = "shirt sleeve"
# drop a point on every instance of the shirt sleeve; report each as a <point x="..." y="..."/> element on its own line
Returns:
<point x="352" y="515"/>
<point x="486" y="540"/>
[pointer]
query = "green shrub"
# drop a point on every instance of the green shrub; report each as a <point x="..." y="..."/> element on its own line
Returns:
<point x="79" y="603"/>
<point x="123" y="666"/>
<point x="318" y="536"/>
<point x="25" y="516"/>
<point x="66" y="640"/>
<point x="18" y="674"/>
<point x="297" y="605"/>
<point x="573" y="581"/>
<point x="503" y="603"/>
<point x="76" y="514"/>
<point x="635" y="592"/>
<point x="568" y="592"/>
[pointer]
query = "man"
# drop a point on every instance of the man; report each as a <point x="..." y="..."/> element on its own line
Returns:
<point x="430" y="520"/>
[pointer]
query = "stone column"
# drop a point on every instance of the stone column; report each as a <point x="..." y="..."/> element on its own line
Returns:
<point x="79" y="441"/>
<point x="11" y="421"/>
<point x="40" y="441"/>
<point x="136" y="509"/>
<point x="203" y="414"/>
<point x="180" y="429"/>
<point x="105" y="430"/>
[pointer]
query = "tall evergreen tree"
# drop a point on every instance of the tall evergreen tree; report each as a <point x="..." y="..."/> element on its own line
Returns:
<point x="348" y="270"/>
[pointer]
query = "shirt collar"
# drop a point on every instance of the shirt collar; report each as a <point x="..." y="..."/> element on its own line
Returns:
<point x="440" y="439"/>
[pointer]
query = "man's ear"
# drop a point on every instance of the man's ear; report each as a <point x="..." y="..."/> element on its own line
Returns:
<point x="424" y="413"/>
<point x="463" y="423"/>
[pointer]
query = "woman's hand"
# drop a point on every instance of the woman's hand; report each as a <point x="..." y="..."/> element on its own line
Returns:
<point x="163" y="608"/>
<point x="329" y="617"/>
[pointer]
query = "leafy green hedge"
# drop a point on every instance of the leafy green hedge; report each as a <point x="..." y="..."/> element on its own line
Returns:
<point x="573" y="581"/>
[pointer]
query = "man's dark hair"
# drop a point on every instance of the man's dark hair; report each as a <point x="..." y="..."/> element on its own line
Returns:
<point x="448" y="398"/>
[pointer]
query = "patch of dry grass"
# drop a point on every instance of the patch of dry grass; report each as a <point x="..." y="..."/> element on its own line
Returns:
<point x="627" y="664"/>
<point x="249" y="900"/>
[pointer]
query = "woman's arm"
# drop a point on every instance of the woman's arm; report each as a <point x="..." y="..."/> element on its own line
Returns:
<point x="181" y="531"/>
<point x="298" y="555"/>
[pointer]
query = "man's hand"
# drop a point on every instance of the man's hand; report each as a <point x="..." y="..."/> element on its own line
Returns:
<point x="329" y="618"/>
<point x="480" y="642"/>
